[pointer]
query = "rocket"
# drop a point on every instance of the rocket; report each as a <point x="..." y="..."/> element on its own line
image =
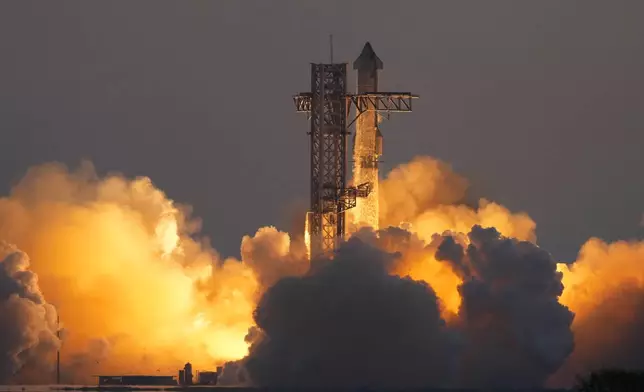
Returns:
<point x="367" y="139"/>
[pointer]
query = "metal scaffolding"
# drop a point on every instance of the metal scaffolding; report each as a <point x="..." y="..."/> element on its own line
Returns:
<point x="330" y="196"/>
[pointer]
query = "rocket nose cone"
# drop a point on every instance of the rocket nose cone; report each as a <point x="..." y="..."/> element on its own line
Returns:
<point x="368" y="59"/>
<point x="367" y="49"/>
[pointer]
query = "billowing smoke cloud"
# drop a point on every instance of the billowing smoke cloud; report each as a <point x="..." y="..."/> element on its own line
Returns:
<point x="517" y="332"/>
<point x="417" y="260"/>
<point x="135" y="290"/>
<point x="28" y="324"/>
<point x="351" y="324"/>
<point x="605" y="288"/>
<point x="272" y="256"/>
<point x="433" y="299"/>
<point x="415" y="187"/>
<point x="499" y="295"/>
<point x="428" y="198"/>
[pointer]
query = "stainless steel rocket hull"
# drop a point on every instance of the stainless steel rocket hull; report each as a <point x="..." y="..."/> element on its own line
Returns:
<point x="367" y="146"/>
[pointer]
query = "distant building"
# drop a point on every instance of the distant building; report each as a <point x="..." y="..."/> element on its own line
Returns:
<point x="207" y="378"/>
<point x="136" y="380"/>
<point x="187" y="374"/>
<point x="202" y="378"/>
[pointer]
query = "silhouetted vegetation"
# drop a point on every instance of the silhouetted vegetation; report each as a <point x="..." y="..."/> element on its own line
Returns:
<point x="611" y="380"/>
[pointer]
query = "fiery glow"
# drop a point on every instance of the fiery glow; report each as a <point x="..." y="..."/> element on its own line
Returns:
<point x="423" y="197"/>
<point x="167" y="233"/>
<point x="601" y="272"/>
<point x="137" y="293"/>
<point x="604" y="287"/>
<point x="134" y="291"/>
<point x="420" y="264"/>
<point x="307" y="236"/>
<point x="426" y="196"/>
<point x="200" y="322"/>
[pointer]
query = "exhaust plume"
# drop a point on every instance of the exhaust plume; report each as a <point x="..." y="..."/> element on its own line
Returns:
<point x="272" y="256"/>
<point x="518" y="322"/>
<point x="449" y="293"/>
<point x="516" y="330"/>
<point x="428" y="198"/>
<point x="513" y="314"/>
<point x="134" y="288"/>
<point x="351" y="324"/>
<point x="605" y="288"/>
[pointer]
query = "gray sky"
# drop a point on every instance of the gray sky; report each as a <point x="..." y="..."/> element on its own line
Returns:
<point x="539" y="104"/>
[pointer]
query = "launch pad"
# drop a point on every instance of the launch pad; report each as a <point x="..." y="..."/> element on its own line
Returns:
<point x="329" y="105"/>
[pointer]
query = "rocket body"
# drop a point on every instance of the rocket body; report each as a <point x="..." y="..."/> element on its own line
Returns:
<point x="367" y="146"/>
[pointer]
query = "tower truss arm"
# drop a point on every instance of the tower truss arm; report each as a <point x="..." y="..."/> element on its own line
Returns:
<point x="381" y="102"/>
<point x="303" y="102"/>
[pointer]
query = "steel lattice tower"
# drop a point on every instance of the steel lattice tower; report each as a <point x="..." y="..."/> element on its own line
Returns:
<point x="328" y="154"/>
<point x="330" y="196"/>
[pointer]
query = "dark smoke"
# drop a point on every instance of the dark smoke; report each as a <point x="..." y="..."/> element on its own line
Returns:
<point x="516" y="331"/>
<point x="351" y="324"/>
<point x="27" y="323"/>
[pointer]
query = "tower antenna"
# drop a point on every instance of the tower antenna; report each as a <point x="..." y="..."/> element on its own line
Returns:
<point x="331" y="47"/>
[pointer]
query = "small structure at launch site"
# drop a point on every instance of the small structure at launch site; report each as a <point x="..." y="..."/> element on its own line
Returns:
<point x="329" y="105"/>
<point x="203" y="377"/>
<point x="185" y="379"/>
<point x="134" y="380"/>
<point x="207" y="378"/>
<point x="187" y="375"/>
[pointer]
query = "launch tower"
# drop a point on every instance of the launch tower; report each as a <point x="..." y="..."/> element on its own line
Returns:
<point x="330" y="196"/>
<point x="329" y="105"/>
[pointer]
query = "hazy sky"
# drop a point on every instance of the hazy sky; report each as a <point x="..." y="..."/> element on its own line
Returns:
<point x="540" y="104"/>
